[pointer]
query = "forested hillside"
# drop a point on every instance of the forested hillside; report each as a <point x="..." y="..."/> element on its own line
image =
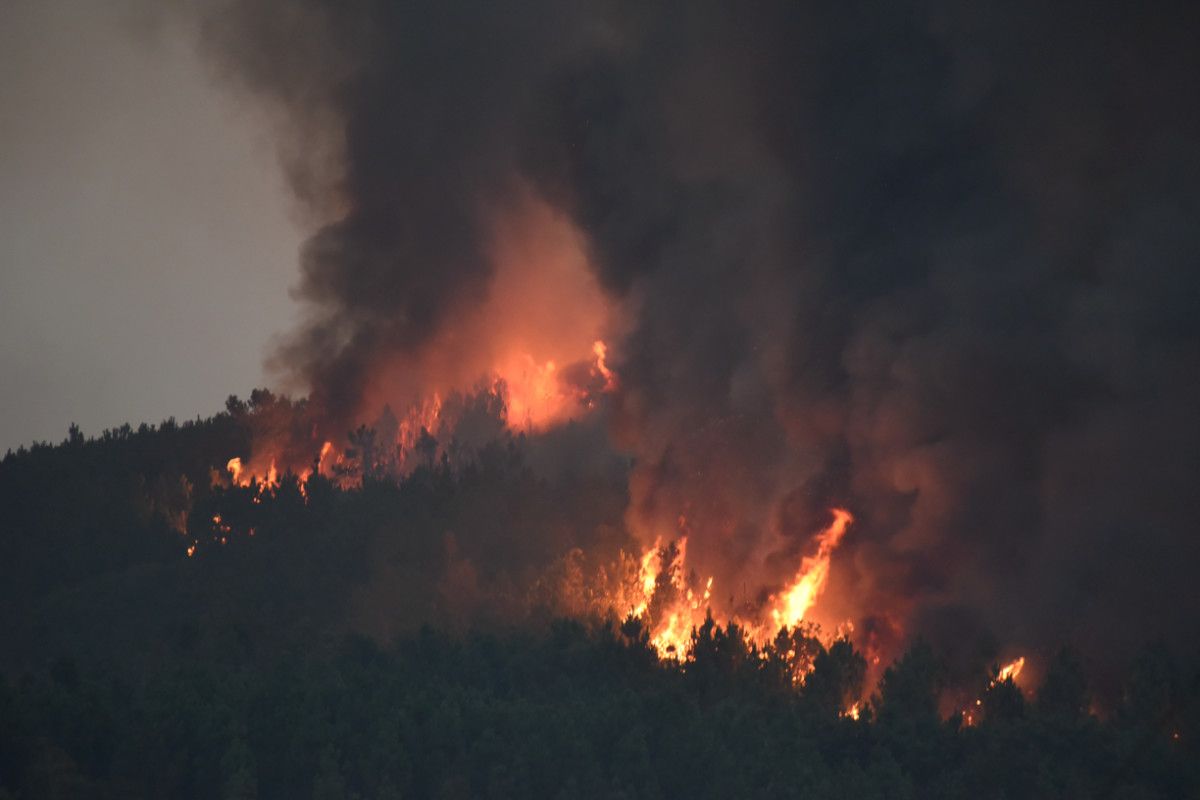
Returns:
<point x="170" y="634"/>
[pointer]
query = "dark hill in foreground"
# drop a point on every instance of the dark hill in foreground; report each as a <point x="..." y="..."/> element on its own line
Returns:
<point x="133" y="669"/>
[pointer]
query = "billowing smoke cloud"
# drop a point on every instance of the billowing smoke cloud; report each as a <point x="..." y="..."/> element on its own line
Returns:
<point x="401" y="121"/>
<point x="930" y="261"/>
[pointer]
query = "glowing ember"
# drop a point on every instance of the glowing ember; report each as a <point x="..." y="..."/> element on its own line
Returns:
<point x="1008" y="672"/>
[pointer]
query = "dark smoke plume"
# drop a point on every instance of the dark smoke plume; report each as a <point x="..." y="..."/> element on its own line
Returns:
<point x="935" y="262"/>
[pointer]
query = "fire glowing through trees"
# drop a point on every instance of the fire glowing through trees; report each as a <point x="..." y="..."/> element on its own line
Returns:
<point x="537" y="377"/>
<point x="659" y="587"/>
<point x="529" y="357"/>
<point x="671" y="607"/>
<point x="767" y="363"/>
<point x="1005" y="676"/>
<point x="795" y="602"/>
<point x="665" y="594"/>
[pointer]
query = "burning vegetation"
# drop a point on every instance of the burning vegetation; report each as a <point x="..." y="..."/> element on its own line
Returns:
<point x="513" y="598"/>
<point x="659" y="588"/>
<point x="774" y="389"/>
<point x="857" y="345"/>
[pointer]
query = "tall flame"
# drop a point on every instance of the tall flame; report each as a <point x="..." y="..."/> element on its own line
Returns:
<point x="600" y="350"/>
<point x="794" y="603"/>
<point x="664" y="598"/>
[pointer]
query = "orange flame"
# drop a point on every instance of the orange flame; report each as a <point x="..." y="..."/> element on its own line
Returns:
<point x="600" y="349"/>
<point x="535" y="396"/>
<point x="671" y="627"/>
<point x="1010" y="670"/>
<point x="793" y="603"/>
<point x="326" y="449"/>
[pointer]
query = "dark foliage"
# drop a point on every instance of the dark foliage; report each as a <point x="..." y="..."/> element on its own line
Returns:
<point x="570" y="711"/>
<point x="133" y="670"/>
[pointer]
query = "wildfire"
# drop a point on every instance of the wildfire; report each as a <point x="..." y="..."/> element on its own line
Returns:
<point x="648" y="570"/>
<point x="600" y="350"/>
<point x="535" y="397"/>
<point x="239" y="475"/>
<point x="542" y="394"/>
<point x="675" y="634"/>
<point x="667" y="602"/>
<point x="669" y="598"/>
<point x="326" y="449"/>
<point x="795" y="602"/>
<point x="423" y="417"/>
<point x="1010" y="671"/>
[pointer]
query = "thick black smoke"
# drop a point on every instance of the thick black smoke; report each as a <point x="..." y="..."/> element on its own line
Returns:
<point x="935" y="262"/>
<point x="419" y="105"/>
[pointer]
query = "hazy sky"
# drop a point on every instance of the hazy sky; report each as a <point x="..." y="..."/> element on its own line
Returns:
<point x="146" y="248"/>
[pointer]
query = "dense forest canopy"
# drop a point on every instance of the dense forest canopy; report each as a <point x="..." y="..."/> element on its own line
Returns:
<point x="700" y="399"/>
<point x="408" y="636"/>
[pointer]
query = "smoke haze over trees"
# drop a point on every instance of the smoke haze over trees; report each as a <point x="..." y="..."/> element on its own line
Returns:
<point x="133" y="670"/>
<point x="933" y="263"/>
<point x="607" y="308"/>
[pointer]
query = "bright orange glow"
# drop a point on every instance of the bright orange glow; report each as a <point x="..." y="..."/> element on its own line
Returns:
<point x="794" y="603"/>
<point x="530" y="337"/>
<point x="673" y="636"/>
<point x="1010" y="670"/>
<point x="533" y="328"/>
<point x="672" y="606"/>
<point x="852" y="712"/>
<point x="534" y="397"/>
<point x="600" y="350"/>
<point x="648" y="569"/>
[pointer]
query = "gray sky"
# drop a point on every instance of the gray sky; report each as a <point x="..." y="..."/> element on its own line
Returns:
<point x="146" y="247"/>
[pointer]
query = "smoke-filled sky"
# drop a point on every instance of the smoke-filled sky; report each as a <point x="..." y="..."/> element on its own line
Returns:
<point x="145" y="241"/>
<point x="931" y="261"/>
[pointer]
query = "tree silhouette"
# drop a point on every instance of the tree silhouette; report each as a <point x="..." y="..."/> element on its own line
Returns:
<point x="1063" y="693"/>
<point x="836" y="681"/>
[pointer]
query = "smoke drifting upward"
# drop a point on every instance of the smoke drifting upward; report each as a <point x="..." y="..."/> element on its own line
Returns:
<point x="931" y="263"/>
<point x="402" y="123"/>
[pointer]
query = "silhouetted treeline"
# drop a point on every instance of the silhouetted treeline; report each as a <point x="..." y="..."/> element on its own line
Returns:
<point x="576" y="712"/>
<point x="133" y="669"/>
<point x="95" y="537"/>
